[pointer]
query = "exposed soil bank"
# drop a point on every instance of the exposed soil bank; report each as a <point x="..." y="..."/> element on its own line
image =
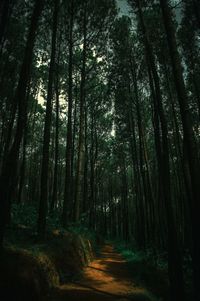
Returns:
<point x="31" y="272"/>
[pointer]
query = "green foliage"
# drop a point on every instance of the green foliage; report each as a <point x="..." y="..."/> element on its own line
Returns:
<point x="132" y="254"/>
<point x="24" y="214"/>
<point x="87" y="233"/>
<point x="145" y="269"/>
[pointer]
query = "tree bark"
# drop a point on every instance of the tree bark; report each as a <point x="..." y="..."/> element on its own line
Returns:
<point x="55" y="178"/>
<point x="5" y="6"/>
<point x="47" y="130"/>
<point x="68" y="162"/>
<point x="81" y="143"/>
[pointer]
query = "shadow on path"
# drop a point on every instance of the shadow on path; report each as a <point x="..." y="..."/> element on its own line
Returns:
<point x="106" y="279"/>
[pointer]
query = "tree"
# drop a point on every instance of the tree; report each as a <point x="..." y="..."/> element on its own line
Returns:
<point x="8" y="177"/>
<point x="189" y="137"/>
<point x="47" y="128"/>
<point x="68" y="162"/>
<point x="5" y="7"/>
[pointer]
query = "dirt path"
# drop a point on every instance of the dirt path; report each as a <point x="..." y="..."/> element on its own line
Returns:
<point x="106" y="279"/>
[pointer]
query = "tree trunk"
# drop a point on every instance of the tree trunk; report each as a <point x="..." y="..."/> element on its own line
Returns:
<point x="47" y="130"/>
<point x="68" y="162"/>
<point x="81" y="143"/>
<point x="5" y="6"/>
<point x="22" y="169"/>
<point x="55" y="179"/>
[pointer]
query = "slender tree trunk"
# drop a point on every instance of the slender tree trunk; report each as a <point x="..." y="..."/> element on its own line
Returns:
<point x="5" y="6"/>
<point x="22" y="169"/>
<point x="196" y="7"/>
<point x="139" y="172"/>
<point x="47" y="130"/>
<point x="55" y="179"/>
<point x="81" y="143"/>
<point x="92" y="172"/>
<point x="140" y="231"/>
<point x="85" y="189"/>
<point x="68" y="173"/>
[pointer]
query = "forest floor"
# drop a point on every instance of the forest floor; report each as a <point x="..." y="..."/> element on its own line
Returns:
<point x="107" y="278"/>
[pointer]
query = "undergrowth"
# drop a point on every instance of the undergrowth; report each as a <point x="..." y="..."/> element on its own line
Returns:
<point x="133" y="254"/>
<point x="151" y="268"/>
<point x="147" y="268"/>
<point x="26" y="215"/>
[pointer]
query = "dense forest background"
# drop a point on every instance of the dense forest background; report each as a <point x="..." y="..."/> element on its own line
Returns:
<point x="99" y="123"/>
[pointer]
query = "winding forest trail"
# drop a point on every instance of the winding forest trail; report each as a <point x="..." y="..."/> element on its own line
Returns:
<point x="107" y="278"/>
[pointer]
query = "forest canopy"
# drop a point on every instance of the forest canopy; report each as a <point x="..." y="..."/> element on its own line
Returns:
<point x="99" y="123"/>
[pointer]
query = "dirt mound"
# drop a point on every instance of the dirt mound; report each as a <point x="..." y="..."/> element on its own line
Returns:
<point x="31" y="273"/>
<point x="24" y="276"/>
<point x="69" y="253"/>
